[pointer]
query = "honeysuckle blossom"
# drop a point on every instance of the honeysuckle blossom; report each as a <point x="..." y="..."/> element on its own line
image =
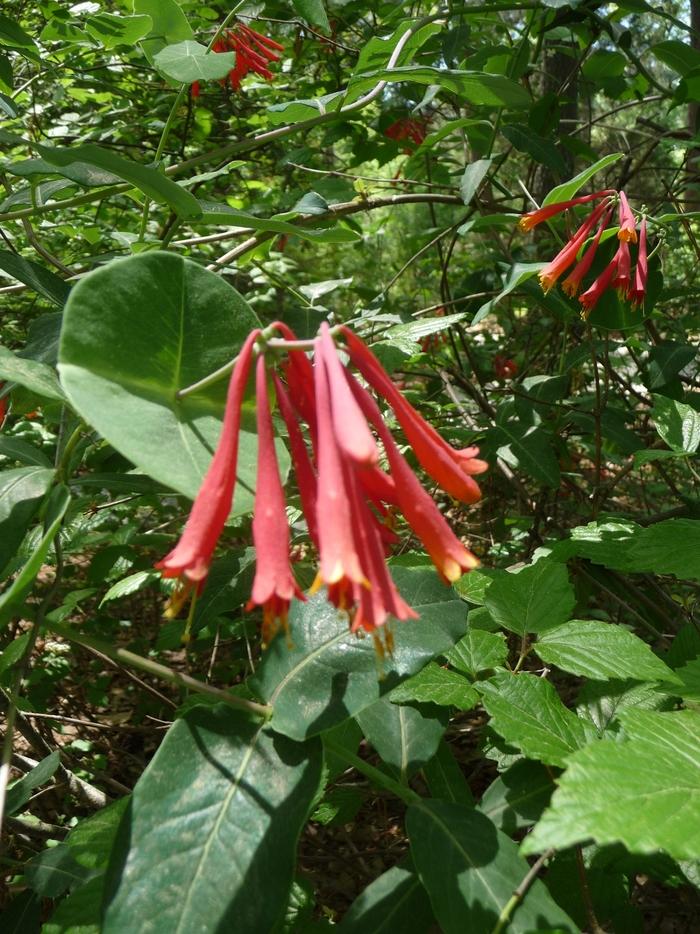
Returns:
<point x="533" y="218"/>
<point x="638" y="289"/>
<point x="190" y="559"/>
<point x="274" y="584"/>
<point x="354" y="483"/>
<point x="627" y="231"/>
<point x="408" y="128"/>
<point x="572" y="284"/>
<point x="618" y="272"/>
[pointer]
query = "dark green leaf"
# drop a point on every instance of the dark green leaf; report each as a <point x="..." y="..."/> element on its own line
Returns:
<point x="35" y="276"/>
<point x="21" y="493"/>
<point x="471" y="869"/>
<point x="445" y="777"/>
<point x="12" y="34"/>
<point x="214" y="818"/>
<point x="12" y="598"/>
<point x="17" y="450"/>
<point x="150" y="181"/>
<point x="330" y="674"/>
<point x="313" y="12"/>
<point x="54" y="871"/>
<point x="665" y="362"/>
<point x="396" y="901"/>
<point x="405" y="737"/>
<point x="680" y="56"/>
<point x="529" y="449"/>
<point x="518" y="796"/>
<point x="540" y="148"/>
<point x="21" y="791"/>
<point x="604" y="64"/>
<point x="214" y="213"/>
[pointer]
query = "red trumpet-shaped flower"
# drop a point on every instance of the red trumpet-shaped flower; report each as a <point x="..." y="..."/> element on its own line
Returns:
<point x="274" y="584"/>
<point x="190" y="559"/>
<point x="351" y="503"/>
<point x="572" y="284"/>
<point x="628" y="226"/>
<point x="638" y="288"/>
<point x="533" y="218"/>
<point x="254" y="53"/>
<point x="565" y="257"/>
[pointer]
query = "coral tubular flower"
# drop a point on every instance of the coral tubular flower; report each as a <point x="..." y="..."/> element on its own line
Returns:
<point x="533" y="218"/>
<point x="448" y="554"/>
<point x="572" y="284"/>
<point x="627" y="232"/>
<point x="350" y="427"/>
<point x="566" y="256"/>
<point x="590" y="298"/>
<point x="450" y="469"/>
<point x="274" y="584"/>
<point x="303" y="468"/>
<point x="623" y="274"/>
<point x="191" y="557"/>
<point x="340" y="565"/>
<point x="638" y="289"/>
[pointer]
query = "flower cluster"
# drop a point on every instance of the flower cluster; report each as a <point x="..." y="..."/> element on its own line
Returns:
<point x="254" y="52"/>
<point x="618" y="272"/>
<point x="340" y="447"/>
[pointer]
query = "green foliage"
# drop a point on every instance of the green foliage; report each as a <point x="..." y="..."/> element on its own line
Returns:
<point x="524" y="755"/>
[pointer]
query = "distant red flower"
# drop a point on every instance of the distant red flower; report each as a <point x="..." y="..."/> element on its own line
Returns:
<point x="504" y="367"/>
<point x="408" y="128"/>
<point x="618" y="273"/>
<point x="274" y="584"/>
<point x="190" y="559"/>
<point x="254" y="53"/>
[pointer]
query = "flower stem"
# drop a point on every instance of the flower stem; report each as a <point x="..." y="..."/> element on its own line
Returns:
<point x="177" y="678"/>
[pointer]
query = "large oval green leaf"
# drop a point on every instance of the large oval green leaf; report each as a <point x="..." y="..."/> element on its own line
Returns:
<point x="134" y="333"/>
<point x="209" y="841"/>
<point x="329" y="674"/>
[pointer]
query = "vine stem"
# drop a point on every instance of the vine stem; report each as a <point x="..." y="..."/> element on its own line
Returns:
<point x="520" y="893"/>
<point x="131" y="659"/>
<point x="375" y="775"/>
